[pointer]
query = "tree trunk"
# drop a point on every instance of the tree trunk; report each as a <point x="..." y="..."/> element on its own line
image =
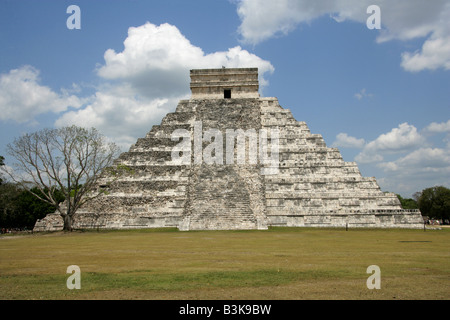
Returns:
<point x="67" y="222"/>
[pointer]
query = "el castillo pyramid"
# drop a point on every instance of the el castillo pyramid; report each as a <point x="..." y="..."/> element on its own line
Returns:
<point x="230" y="159"/>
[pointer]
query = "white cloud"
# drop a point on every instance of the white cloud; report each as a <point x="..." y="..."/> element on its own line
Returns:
<point x="419" y="169"/>
<point x="157" y="60"/>
<point x="150" y="76"/>
<point x="368" y="157"/>
<point x="435" y="127"/>
<point x="401" y="19"/>
<point x="120" y="113"/>
<point x="264" y="19"/>
<point x="422" y="159"/>
<point x="343" y="140"/>
<point x="22" y="97"/>
<point x="401" y="139"/>
<point x="414" y="163"/>
<point x="363" y="94"/>
<point x="435" y="54"/>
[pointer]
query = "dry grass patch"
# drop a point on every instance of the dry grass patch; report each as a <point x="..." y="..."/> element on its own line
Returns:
<point x="280" y="263"/>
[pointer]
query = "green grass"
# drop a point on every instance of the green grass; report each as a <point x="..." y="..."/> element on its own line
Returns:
<point x="279" y="263"/>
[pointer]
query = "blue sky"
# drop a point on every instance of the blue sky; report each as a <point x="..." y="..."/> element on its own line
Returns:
<point x="381" y="96"/>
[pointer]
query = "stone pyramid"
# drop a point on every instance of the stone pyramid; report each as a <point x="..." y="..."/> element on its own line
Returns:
<point x="190" y="172"/>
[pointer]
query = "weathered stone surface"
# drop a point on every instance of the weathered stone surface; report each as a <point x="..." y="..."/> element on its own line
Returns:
<point x="311" y="186"/>
<point x="213" y="83"/>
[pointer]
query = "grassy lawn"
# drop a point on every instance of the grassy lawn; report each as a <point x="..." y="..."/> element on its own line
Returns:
<point x="279" y="263"/>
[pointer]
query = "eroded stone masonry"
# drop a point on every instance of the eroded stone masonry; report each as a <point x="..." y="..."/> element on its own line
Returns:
<point x="311" y="184"/>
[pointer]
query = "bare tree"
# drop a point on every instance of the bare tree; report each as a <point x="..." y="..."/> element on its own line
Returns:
<point x="69" y="159"/>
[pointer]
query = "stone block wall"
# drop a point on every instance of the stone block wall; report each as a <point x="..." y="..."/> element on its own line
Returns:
<point x="211" y="83"/>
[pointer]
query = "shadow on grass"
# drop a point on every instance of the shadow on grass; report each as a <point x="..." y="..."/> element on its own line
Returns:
<point x="50" y="286"/>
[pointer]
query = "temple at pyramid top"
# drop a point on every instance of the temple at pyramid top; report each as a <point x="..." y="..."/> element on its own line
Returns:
<point x="224" y="83"/>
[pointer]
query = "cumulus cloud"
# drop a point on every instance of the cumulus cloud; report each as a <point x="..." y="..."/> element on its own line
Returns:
<point x="139" y="85"/>
<point x="422" y="159"/>
<point x="23" y="97"/>
<point x="157" y="59"/>
<point x="415" y="163"/>
<point x="343" y="140"/>
<point x="403" y="138"/>
<point x="120" y="113"/>
<point x="421" y="168"/>
<point x="435" y="127"/>
<point x="402" y="19"/>
<point x="435" y="54"/>
<point x="148" y="78"/>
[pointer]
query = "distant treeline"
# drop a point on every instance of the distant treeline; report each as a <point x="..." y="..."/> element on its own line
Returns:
<point x="19" y="209"/>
